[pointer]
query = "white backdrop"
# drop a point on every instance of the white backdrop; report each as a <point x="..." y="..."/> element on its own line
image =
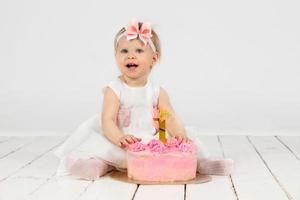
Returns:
<point x="230" y="67"/>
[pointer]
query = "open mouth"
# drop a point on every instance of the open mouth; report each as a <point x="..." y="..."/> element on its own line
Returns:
<point x="129" y="65"/>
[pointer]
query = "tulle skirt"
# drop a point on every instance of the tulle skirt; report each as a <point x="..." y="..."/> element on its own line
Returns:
<point x="88" y="141"/>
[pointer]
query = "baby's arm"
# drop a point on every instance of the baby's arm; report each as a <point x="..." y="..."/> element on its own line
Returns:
<point x="109" y="126"/>
<point x="173" y="124"/>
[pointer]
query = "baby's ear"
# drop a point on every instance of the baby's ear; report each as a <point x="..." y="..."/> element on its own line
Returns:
<point x="154" y="58"/>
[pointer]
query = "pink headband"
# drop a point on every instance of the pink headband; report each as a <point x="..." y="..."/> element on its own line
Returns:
<point x="144" y="33"/>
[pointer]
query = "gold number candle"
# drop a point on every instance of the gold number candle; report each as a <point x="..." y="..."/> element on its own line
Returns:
<point x="163" y="114"/>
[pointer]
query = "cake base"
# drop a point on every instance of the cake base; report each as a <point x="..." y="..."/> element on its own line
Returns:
<point x="122" y="176"/>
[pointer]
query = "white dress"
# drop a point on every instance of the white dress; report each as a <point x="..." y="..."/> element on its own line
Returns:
<point x="88" y="140"/>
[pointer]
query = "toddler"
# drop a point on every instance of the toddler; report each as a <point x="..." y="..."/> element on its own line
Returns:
<point x="130" y="105"/>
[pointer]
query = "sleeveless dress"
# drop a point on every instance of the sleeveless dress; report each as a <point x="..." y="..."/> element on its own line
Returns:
<point x="135" y="117"/>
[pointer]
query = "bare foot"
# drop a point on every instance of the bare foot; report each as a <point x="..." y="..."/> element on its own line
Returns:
<point x="221" y="167"/>
<point x="88" y="169"/>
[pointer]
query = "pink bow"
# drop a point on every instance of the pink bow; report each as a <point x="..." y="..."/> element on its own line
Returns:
<point x="144" y="33"/>
<point x="123" y="118"/>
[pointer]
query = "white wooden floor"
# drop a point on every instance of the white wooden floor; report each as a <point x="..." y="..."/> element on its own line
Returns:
<point x="266" y="168"/>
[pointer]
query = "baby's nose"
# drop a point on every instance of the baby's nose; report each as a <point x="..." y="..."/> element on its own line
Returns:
<point x="131" y="56"/>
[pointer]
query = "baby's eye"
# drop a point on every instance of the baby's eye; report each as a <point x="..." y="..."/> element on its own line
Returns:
<point x="139" y="50"/>
<point x="124" y="51"/>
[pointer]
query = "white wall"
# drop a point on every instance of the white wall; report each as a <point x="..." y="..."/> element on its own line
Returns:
<point x="230" y="67"/>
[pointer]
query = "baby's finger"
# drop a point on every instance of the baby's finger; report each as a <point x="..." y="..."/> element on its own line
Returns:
<point x="134" y="139"/>
<point x="121" y="144"/>
<point x="124" y="142"/>
<point x="187" y="139"/>
<point x="179" y="139"/>
<point x="129" y="140"/>
<point x="137" y="139"/>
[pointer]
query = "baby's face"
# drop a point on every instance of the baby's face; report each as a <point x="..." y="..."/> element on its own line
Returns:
<point x="135" y="59"/>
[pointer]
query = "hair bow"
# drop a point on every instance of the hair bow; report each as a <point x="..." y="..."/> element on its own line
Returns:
<point x="144" y="33"/>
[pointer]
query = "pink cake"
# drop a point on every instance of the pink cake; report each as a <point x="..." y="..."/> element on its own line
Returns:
<point x="160" y="162"/>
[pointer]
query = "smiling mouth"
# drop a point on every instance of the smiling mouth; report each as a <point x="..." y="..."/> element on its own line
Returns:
<point x="131" y="65"/>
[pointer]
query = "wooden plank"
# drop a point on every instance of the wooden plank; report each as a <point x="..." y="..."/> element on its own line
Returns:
<point x="18" y="188"/>
<point x="46" y="185"/>
<point x="14" y="144"/>
<point x="30" y="177"/>
<point x="60" y="188"/>
<point x="107" y="188"/>
<point x="292" y="143"/>
<point x="55" y="188"/>
<point x="25" y="156"/>
<point x="166" y="192"/>
<point x="45" y="167"/>
<point x="283" y="165"/>
<point x="252" y="179"/>
<point x="208" y="190"/>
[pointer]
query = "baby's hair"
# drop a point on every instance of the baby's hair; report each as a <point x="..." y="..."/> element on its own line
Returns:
<point x="154" y="39"/>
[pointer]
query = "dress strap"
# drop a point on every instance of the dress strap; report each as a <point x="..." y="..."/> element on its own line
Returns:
<point x="116" y="86"/>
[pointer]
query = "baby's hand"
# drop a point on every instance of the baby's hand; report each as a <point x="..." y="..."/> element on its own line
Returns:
<point x="182" y="138"/>
<point x="126" y="140"/>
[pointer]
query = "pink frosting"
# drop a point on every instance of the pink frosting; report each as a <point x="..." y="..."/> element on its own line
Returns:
<point x="159" y="149"/>
<point x="137" y="146"/>
<point x="187" y="147"/>
<point x="172" y="143"/>
<point x="153" y="143"/>
<point x="156" y="146"/>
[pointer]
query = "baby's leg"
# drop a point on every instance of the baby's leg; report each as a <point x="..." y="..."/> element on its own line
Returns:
<point x="209" y="166"/>
<point x="89" y="169"/>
